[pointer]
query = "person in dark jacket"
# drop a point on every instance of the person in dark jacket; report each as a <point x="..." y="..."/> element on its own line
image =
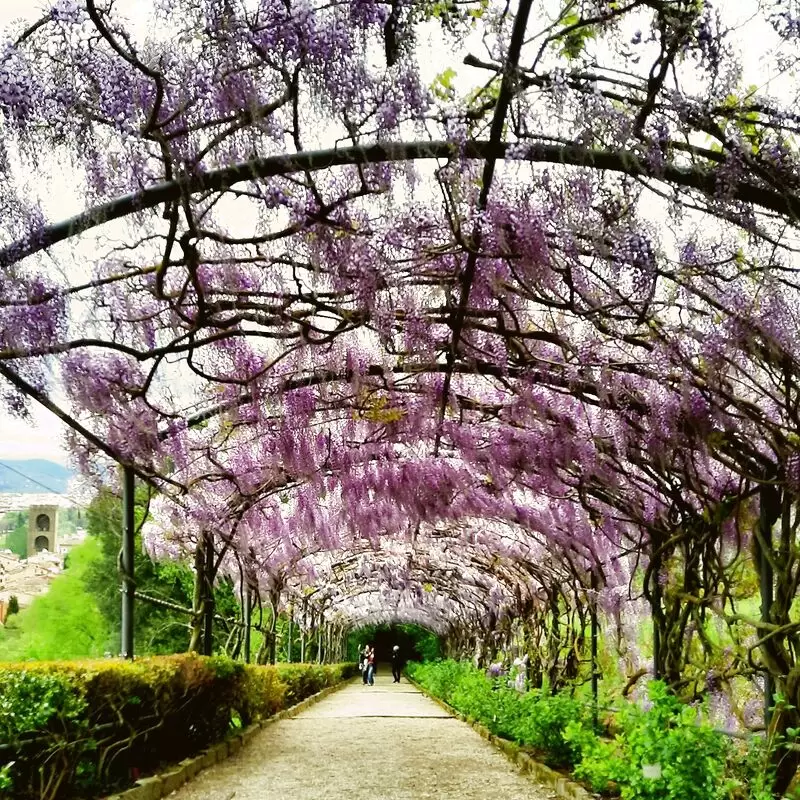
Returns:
<point x="396" y="664"/>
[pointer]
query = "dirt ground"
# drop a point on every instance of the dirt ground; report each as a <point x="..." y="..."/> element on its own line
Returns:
<point x="383" y="742"/>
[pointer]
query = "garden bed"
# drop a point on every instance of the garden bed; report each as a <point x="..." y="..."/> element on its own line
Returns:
<point x="662" y="750"/>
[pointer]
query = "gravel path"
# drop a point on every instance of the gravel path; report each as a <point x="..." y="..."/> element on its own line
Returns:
<point x="384" y="742"/>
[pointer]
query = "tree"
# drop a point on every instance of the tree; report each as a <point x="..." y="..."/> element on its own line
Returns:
<point x="17" y="539"/>
<point x="164" y="587"/>
<point x="13" y="605"/>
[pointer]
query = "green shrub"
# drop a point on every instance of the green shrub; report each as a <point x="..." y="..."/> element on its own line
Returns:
<point x="594" y="758"/>
<point x="752" y="770"/>
<point x="534" y="719"/>
<point x="688" y="757"/>
<point x="91" y="727"/>
<point x="46" y="706"/>
<point x="104" y="719"/>
<point x="440" y="678"/>
<point x="303" y="680"/>
<point x="262" y="693"/>
<point x="31" y="701"/>
<point x="540" y="722"/>
<point x="474" y="696"/>
<point x="666" y="751"/>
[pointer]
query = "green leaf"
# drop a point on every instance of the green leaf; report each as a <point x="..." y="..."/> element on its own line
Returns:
<point x="574" y="42"/>
<point x="443" y="84"/>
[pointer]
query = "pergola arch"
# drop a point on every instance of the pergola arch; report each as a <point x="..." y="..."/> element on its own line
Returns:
<point x="449" y="329"/>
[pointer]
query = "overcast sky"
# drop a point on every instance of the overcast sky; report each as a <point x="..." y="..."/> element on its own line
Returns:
<point x="43" y="438"/>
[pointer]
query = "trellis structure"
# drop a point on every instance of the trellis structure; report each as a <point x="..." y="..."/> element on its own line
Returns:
<point x="496" y="349"/>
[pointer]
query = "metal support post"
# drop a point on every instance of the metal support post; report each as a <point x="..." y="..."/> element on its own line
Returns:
<point x="126" y="560"/>
<point x="594" y="634"/>
<point x="248" y="613"/>
<point x="289" y="644"/>
<point x="208" y="597"/>
<point x="766" y="585"/>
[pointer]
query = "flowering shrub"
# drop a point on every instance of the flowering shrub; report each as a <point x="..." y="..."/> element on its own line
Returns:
<point x="495" y="670"/>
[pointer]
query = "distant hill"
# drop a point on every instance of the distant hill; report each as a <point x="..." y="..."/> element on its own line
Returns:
<point x="21" y="475"/>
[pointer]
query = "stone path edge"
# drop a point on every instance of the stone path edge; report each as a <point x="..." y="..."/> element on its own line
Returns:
<point x="160" y="785"/>
<point x="563" y="787"/>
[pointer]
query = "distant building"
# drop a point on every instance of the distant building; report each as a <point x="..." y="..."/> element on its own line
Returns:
<point x="27" y="578"/>
<point x="66" y="541"/>
<point x="42" y="529"/>
<point x="18" y="501"/>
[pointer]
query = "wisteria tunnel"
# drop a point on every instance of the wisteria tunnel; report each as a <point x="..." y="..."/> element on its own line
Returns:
<point x="473" y="315"/>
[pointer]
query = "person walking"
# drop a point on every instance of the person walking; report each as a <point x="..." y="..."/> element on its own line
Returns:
<point x="364" y="663"/>
<point x="371" y="665"/>
<point x="396" y="664"/>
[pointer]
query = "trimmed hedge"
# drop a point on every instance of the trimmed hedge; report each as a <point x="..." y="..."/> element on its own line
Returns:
<point x="303" y="680"/>
<point x="81" y="729"/>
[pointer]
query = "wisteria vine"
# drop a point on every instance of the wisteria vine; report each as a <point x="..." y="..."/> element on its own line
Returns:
<point x="455" y="313"/>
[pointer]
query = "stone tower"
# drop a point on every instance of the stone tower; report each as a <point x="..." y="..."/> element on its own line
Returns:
<point x="42" y="529"/>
